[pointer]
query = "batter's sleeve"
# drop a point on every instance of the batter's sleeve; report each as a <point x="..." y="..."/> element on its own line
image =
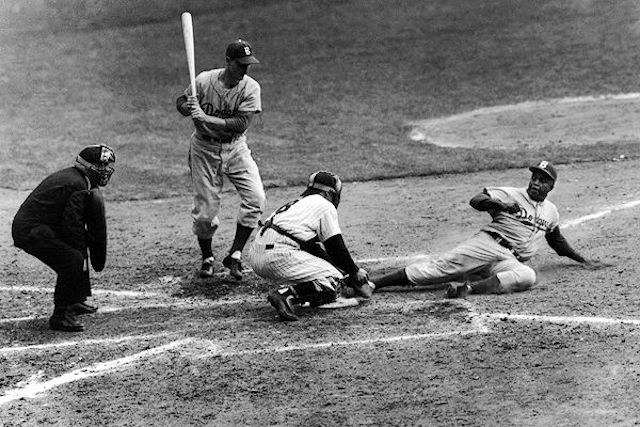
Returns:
<point x="252" y="99"/>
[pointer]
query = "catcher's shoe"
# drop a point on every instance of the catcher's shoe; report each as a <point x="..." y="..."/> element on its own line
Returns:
<point x="207" y="268"/>
<point x="66" y="322"/>
<point x="458" y="291"/>
<point x="232" y="262"/>
<point x="80" y="308"/>
<point x="283" y="305"/>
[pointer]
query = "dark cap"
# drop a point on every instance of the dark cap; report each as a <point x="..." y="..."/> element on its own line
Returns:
<point x="546" y="168"/>
<point x="242" y="52"/>
<point x="97" y="154"/>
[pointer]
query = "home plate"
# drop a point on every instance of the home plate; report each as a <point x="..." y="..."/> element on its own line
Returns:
<point x="341" y="302"/>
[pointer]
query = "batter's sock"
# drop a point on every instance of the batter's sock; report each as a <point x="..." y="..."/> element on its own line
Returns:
<point x="398" y="278"/>
<point x="242" y="235"/>
<point x="486" y="286"/>
<point x="205" y="247"/>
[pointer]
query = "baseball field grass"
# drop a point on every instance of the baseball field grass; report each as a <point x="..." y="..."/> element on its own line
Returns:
<point x="340" y="80"/>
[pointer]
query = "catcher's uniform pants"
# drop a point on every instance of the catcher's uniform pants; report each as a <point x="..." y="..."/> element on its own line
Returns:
<point x="478" y="258"/>
<point x="209" y="163"/>
<point x="276" y="257"/>
<point x="70" y="264"/>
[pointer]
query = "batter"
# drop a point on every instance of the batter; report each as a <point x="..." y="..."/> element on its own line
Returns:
<point x="493" y="261"/>
<point x="227" y="100"/>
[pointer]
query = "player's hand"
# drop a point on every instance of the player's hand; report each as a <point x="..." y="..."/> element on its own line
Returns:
<point x="360" y="277"/>
<point x="196" y="110"/>
<point x="512" y="208"/>
<point x="594" y="264"/>
<point x="360" y="283"/>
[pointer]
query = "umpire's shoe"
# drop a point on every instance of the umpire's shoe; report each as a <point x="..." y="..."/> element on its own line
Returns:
<point x="81" y="308"/>
<point x="283" y="305"/>
<point x="232" y="262"/>
<point x="458" y="291"/>
<point x="207" y="268"/>
<point x="65" y="320"/>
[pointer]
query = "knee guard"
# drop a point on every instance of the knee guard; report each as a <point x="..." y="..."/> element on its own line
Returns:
<point x="315" y="292"/>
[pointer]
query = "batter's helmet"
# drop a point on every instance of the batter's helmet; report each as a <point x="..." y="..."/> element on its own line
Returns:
<point x="96" y="160"/>
<point x="326" y="181"/>
<point x="546" y="168"/>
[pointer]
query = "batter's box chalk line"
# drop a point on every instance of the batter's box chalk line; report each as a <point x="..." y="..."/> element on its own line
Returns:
<point x="35" y="387"/>
<point x="89" y="342"/>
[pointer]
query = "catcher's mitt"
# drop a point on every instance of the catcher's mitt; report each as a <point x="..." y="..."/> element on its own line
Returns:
<point x="96" y="230"/>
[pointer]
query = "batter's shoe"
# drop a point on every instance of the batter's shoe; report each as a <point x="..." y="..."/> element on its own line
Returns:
<point x="283" y="305"/>
<point x="66" y="322"/>
<point x="232" y="262"/>
<point x="81" y="308"/>
<point x="458" y="291"/>
<point x="207" y="268"/>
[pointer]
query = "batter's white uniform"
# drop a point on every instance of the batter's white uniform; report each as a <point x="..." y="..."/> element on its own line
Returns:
<point x="213" y="154"/>
<point x="482" y="256"/>
<point x="279" y="258"/>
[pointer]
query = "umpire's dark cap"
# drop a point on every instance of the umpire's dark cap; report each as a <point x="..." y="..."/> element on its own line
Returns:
<point x="98" y="154"/>
<point x="242" y="52"/>
<point x="546" y="168"/>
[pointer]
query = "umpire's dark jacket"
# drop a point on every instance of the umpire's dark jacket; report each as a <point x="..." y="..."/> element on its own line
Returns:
<point x="50" y="225"/>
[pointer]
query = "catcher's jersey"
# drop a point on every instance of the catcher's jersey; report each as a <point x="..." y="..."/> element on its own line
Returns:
<point x="216" y="100"/>
<point x="525" y="229"/>
<point x="309" y="217"/>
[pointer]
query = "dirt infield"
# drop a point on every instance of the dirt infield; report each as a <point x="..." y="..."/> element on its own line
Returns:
<point x="167" y="348"/>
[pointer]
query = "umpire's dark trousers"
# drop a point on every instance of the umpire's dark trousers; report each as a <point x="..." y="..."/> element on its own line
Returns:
<point x="72" y="284"/>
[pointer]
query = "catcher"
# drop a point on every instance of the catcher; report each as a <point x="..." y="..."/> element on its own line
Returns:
<point x="492" y="262"/>
<point x="301" y="244"/>
<point x="59" y="221"/>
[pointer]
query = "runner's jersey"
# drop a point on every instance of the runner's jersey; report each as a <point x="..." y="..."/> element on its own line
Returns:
<point x="525" y="229"/>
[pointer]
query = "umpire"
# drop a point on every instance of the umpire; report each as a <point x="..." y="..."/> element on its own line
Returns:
<point x="59" y="220"/>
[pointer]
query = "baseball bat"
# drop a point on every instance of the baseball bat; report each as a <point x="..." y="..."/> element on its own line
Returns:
<point x="187" y="34"/>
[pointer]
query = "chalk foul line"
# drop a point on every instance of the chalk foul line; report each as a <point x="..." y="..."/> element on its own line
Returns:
<point x="594" y="320"/>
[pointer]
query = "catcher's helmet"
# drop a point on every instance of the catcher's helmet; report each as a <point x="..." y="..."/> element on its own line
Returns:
<point x="328" y="182"/>
<point x="96" y="161"/>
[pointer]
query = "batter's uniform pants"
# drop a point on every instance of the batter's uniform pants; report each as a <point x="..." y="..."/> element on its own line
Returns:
<point x="70" y="264"/>
<point x="278" y="258"/>
<point x="478" y="258"/>
<point x="209" y="163"/>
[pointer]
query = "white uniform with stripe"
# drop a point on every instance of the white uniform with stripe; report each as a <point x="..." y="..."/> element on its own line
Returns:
<point x="482" y="256"/>
<point x="279" y="258"/>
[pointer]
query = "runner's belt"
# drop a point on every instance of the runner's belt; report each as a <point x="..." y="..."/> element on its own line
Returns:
<point x="503" y="242"/>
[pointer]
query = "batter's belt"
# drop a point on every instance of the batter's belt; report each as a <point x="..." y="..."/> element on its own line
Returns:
<point x="504" y="243"/>
<point x="211" y="138"/>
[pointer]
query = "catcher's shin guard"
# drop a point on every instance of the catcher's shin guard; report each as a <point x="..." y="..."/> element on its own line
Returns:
<point x="315" y="293"/>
